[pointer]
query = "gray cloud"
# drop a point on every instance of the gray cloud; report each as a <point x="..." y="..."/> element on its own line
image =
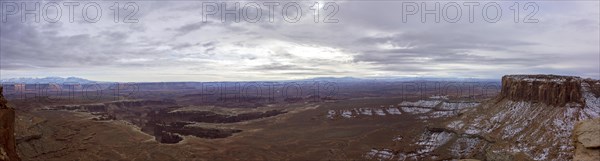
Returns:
<point x="281" y="67"/>
<point x="185" y="29"/>
<point x="369" y="40"/>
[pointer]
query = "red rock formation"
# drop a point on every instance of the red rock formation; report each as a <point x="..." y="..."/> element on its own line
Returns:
<point x="548" y="89"/>
<point x="8" y="151"/>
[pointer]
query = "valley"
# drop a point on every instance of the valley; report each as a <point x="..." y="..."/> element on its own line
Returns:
<point x="416" y="124"/>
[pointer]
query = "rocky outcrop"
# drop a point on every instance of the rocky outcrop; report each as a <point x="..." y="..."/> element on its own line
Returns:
<point x="533" y="117"/>
<point x="586" y="136"/>
<point x="588" y="133"/>
<point x="548" y="89"/>
<point x="8" y="151"/>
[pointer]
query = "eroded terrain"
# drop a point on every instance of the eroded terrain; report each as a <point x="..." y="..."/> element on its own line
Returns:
<point x="427" y="125"/>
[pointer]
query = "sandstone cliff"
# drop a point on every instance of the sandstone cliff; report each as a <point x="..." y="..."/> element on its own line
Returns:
<point x="586" y="136"/>
<point x="549" y="89"/>
<point x="533" y="116"/>
<point x="8" y="150"/>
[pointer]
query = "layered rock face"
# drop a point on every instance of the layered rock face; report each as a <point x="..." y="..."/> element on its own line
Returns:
<point x="533" y="118"/>
<point x="548" y="89"/>
<point x="8" y="149"/>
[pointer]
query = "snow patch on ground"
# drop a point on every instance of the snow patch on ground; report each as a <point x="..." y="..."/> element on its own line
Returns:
<point x="393" y="111"/>
<point x="510" y="130"/>
<point x="439" y="97"/>
<point x="456" y="125"/>
<point x="384" y="154"/>
<point x="330" y="114"/>
<point x="415" y="110"/>
<point x="472" y="130"/>
<point x="430" y="141"/>
<point x="379" y="112"/>
<point x="366" y="111"/>
<point x="457" y="105"/>
<point x="439" y="114"/>
<point x="421" y="103"/>
<point x="592" y="105"/>
<point x="347" y="114"/>
<point x="465" y="146"/>
<point x="351" y="113"/>
<point x="543" y="155"/>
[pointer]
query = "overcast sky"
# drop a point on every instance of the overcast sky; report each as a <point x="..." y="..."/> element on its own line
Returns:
<point x="170" y="42"/>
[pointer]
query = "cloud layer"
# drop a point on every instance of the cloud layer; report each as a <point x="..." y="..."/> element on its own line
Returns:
<point x="172" y="42"/>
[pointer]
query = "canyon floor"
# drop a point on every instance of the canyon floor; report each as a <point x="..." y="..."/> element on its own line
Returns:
<point x="304" y="132"/>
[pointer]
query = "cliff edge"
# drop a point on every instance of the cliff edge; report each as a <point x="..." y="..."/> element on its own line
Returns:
<point x="8" y="151"/>
<point x="533" y="116"/>
<point x="548" y="89"/>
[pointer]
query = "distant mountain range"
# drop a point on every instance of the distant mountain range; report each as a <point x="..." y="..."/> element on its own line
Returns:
<point x="58" y="80"/>
<point x="61" y="80"/>
<point x="399" y="79"/>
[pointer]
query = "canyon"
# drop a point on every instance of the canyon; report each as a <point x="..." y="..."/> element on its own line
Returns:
<point x="531" y="117"/>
